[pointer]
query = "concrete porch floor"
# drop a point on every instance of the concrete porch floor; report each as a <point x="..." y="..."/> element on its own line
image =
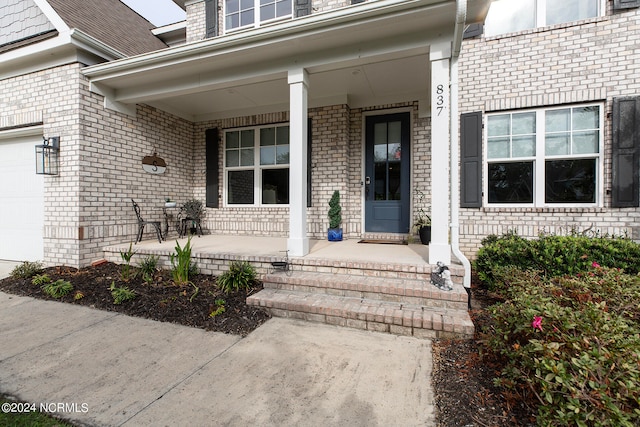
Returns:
<point x="346" y="250"/>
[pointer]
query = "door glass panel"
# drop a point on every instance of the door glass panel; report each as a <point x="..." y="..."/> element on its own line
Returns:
<point x="387" y="154"/>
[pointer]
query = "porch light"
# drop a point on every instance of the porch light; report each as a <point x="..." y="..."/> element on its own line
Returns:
<point x="47" y="156"/>
<point x="154" y="164"/>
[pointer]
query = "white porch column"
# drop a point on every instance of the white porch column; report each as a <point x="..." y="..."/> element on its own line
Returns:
<point x="439" y="248"/>
<point x="298" y="243"/>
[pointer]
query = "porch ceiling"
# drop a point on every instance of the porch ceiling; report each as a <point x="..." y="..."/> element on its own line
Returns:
<point x="376" y="52"/>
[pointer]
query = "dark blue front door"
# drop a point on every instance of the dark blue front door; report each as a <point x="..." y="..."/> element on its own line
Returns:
<point x="387" y="158"/>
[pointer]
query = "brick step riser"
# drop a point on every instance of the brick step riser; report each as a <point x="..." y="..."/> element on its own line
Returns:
<point x="435" y="326"/>
<point x="376" y="296"/>
<point x="382" y="272"/>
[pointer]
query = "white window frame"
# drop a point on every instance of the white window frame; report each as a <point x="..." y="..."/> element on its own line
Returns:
<point x="540" y="17"/>
<point x="257" y="22"/>
<point x="540" y="157"/>
<point x="256" y="167"/>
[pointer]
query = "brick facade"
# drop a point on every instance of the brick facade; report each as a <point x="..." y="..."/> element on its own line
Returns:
<point x="590" y="60"/>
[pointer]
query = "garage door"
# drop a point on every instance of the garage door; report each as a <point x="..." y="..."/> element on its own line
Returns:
<point x="21" y="200"/>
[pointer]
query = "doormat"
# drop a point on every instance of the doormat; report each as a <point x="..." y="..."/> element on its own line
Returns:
<point x="384" y="241"/>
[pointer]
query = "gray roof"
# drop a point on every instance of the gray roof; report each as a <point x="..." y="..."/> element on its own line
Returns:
<point x="21" y="20"/>
<point x="110" y="21"/>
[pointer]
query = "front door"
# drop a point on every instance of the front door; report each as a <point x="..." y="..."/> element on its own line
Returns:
<point x="387" y="158"/>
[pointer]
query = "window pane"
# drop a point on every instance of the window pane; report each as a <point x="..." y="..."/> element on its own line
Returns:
<point x="267" y="155"/>
<point x="585" y="142"/>
<point x="499" y="125"/>
<point x="275" y="186"/>
<point x="240" y="187"/>
<point x="394" y="181"/>
<point x="570" y="181"/>
<point x="282" y="135"/>
<point x="267" y="12"/>
<point x="523" y="123"/>
<point x="523" y="146"/>
<point x="233" y="139"/>
<point x="283" y="8"/>
<point x="247" y="138"/>
<point x="557" y="120"/>
<point x="511" y="182"/>
<point x="267" y="136"/>
<point x="246" y="17"/>
<point x="246" y="4"/>
<point x="232" y="6"/>
<point x="506" y="16"/>
<point x="246" y="157"/>
<point x="556" y="144"/>
<point x="570" y="10"/>
<point x="586" y="118"/>
<point x="233" y="158"/>
<point x="395" y="132"/>
<point x="282" y="154"/>
<point x="498" y="148"/>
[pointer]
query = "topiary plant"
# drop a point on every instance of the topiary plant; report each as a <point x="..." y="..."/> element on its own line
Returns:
<point x="335" y="211"/>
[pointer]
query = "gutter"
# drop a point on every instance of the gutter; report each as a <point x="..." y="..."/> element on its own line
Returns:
<point x="461" y="16"/>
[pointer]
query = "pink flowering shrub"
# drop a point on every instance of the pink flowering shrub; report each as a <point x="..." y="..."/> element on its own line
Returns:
<point x="570" y="345"/>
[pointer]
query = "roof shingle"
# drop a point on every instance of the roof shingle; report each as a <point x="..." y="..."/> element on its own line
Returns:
<point x="110" y="21"/>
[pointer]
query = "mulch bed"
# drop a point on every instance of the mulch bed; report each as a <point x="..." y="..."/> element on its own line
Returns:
<point x="462" y="378"/>
<point x="161" y="300"/>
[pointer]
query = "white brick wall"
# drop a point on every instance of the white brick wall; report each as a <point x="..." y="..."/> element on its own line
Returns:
<point x="592" y="60"/>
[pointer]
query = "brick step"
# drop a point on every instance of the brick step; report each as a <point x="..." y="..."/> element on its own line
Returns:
<point x="374" y="315"/>
<point x="372" y="269"/>
<point x="407" y="291"/>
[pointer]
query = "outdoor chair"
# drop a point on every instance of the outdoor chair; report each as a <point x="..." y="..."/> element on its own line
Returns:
<point x="187" y="222"/>
<point x="142" y="223"/>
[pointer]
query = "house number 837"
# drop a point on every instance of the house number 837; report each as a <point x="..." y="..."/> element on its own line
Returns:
<point x="440" y="99"/>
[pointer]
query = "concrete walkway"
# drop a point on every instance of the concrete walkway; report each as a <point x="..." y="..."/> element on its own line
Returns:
<point x="108" y="369"/>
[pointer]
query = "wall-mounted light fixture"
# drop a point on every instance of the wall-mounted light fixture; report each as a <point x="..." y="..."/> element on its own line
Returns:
<point x="47" y="156"/>
<point x="154" y="164"/>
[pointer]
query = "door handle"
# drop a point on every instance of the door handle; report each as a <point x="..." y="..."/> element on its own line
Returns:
<point x="367" y="182"/>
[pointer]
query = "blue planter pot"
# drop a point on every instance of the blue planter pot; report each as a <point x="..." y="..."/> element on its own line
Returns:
<point x="334" y="234"/>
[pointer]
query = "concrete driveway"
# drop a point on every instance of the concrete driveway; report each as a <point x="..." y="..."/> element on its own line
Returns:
<point x="105" y="369"/>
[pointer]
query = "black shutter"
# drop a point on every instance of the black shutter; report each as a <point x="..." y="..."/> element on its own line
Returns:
<point x="309" y="145"/>
<point x="212" y="152"/>
<point x="211" y="17"/>
<point x="473" y="30"/>
<point x="471" y="160"/>
<point x="357" y="1"/>
<point x="625" y="4"/>
<point x="302" y="8"/>
<point x="626" y="152"/>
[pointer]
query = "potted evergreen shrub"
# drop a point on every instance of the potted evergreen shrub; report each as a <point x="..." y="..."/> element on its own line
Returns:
<point x="334" y="233"/>
<point x="422" y="223"/>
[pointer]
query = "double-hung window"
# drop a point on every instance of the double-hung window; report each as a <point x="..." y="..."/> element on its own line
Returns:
<point x="507" y="16"/>
<point x="253" y="13"/>
<point x="257" y="166"/>
<point x="544" y="157"/>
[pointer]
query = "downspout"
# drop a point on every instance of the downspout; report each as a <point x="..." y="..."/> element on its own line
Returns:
<point x="461" y="17"/>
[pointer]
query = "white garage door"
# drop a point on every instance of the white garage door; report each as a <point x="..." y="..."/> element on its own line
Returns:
<point x="21" y="200"/>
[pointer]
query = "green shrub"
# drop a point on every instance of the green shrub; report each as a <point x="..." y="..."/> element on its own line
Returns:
<point x="555" y="255"/>
<point x="121" y="293"/>
<point x="148" y="267"/>
<point x="219" y="309"/>
<point x="57" y="289"/>
<point x="127" y="272"/>
<point x="183" y="266"/>
<point x="572" y="344"/>
<point x="41" y="279"/>
<point x="240" y="276"/>
<point x="26" y="270"/>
